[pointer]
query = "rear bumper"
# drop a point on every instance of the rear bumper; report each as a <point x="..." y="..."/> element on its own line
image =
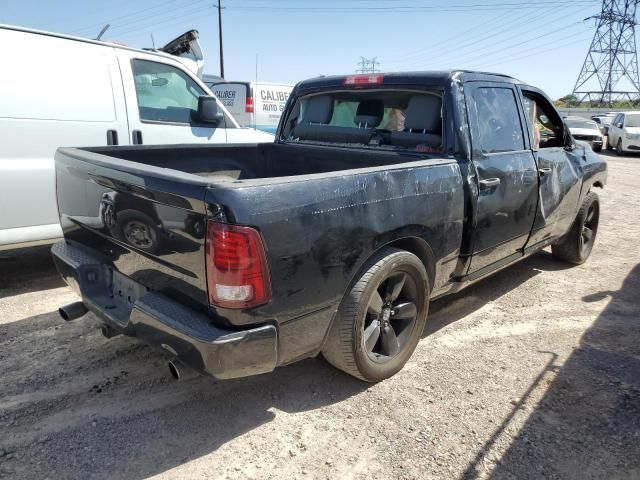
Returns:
<point x="158" y="320"/>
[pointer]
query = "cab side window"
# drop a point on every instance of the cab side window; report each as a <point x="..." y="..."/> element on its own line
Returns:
<point x="498" y="128"/>
<point x="547" y="126"/>
<point x="165" y="93"/>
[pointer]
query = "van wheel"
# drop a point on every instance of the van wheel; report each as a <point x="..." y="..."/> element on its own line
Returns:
<point x="575" y="247"/>
<point x="138" y="230"/>
<point x="381" y="319"/>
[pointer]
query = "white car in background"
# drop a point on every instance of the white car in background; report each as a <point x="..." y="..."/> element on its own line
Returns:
<point x="62" y="91"/>
<point x="604" y="121"/>
<point x="624" y="133"/>
<point x="586" y="130"/>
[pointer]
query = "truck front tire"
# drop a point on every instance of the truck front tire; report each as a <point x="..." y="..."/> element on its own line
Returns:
<point x="382" y="317"/>
<point x="575" y="247"/>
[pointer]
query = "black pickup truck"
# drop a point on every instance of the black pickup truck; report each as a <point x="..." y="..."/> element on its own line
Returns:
<point x="380" y="193"/>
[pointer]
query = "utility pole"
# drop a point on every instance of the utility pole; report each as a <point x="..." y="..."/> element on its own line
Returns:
<point x="612" y="57"/>
<point x="368" y="65"/>
<point x="220" y="38"/>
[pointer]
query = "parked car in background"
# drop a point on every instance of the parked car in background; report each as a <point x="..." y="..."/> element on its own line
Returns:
<point x="604" y="121"/>
<point x="624" y="133"/>
<point x="257" y="105"/>
<point x="380" y="193"/>
<point x="57" y="90"/>
<point x="587" y="130"/>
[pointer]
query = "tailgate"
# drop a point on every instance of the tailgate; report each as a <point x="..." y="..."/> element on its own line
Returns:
<point x="148" y="222"/>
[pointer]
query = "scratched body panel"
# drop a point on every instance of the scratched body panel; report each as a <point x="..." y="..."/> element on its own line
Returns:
<point x="323" y="208"/>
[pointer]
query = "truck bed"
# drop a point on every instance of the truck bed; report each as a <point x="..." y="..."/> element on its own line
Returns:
<point x="255" y="161"/>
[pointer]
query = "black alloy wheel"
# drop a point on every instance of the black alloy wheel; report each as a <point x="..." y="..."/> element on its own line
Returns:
<point x="576" y="245"/>
<point x="589" y="229"/>
<point x="390" y="317"/>
<point x="382" y="317"/>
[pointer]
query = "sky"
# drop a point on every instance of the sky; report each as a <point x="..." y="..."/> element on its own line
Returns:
<point x="541" y="42"/>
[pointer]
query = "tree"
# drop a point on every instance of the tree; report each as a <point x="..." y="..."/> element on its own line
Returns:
<point x="567" y="101"/>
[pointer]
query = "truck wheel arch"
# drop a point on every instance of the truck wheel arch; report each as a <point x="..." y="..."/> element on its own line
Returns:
<point x="421" y="249"/>
<point x="415" y="245"/>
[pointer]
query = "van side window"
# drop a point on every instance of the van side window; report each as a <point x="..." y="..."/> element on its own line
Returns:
<point x="499" y="127"/>
<point x="165" y="93"/>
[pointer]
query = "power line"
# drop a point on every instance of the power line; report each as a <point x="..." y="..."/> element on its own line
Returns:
<point x="517" y="56"/>
<point x="115" y="19"/>
<point x="466" y="41"/>
<point x="414" y="8"/>
<point x="170" y="18"/>
<point x="497" y="50"/>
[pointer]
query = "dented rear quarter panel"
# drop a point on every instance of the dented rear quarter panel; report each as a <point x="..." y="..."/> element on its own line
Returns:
<point x="319" y="230"/>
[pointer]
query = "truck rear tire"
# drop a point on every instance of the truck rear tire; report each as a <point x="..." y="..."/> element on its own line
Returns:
<point x="381" y="319"/>
<point x="575" y="247"/>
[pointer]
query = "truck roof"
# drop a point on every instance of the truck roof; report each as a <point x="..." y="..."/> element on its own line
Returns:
<point x="434" y="78"/>
<point x="105" y="43"/>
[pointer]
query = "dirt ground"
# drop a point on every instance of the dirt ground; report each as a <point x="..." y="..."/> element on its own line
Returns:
<point x="532" y="373"/>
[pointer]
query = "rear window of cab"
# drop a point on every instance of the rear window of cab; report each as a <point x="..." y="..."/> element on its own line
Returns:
<point x="377" y="118"/>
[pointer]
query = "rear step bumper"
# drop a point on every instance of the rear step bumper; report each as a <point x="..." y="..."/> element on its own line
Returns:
<point x="158" y="320"/>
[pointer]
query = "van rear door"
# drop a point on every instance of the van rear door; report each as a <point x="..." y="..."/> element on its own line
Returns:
<point x="187" y="48"/>
<point x="237" y="98"/>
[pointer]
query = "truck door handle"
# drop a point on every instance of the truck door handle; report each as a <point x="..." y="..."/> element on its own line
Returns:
<point x="112" y="137"/>
<point x="489" y="183"/>
<point x="136" y="136"/>
<point x="545" y="171"/>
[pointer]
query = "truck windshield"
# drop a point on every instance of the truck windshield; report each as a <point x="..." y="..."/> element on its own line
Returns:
<point x="381" y="118"/>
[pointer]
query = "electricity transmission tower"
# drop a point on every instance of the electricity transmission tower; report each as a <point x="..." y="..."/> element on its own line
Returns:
<point x="369" y="65"/>
<point x="610" y="71"/>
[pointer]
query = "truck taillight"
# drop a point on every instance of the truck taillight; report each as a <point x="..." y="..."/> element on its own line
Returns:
<point x="237" y="271"/>
<point x="249" y="105"/>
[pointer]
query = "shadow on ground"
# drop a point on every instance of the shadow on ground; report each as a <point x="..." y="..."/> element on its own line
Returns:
<point x="76" y="405"/>
<point x="28" y="271"/>
<point x="452" y="308"/>
<point x="587" y="425"/>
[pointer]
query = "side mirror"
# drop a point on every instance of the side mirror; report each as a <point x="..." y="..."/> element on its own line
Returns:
<point x="619" y="125"/>
<point x="208" y="111"/>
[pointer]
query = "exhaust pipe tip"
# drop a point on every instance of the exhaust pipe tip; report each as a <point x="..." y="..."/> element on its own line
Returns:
<point x="72" y="311"/>
<point x="180" y="372"/>
<point x="108" y="332"/>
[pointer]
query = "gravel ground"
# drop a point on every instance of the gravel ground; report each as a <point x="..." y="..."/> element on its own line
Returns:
<point x="532" y="373"/>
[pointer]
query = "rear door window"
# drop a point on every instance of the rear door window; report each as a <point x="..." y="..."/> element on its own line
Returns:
<point x="498" y="126"/>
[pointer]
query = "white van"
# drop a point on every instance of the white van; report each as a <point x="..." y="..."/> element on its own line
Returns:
<point x="57" y="90"/>
<point x="257" y="105"/>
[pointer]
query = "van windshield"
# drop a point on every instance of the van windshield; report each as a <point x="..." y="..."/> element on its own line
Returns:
<point x="382" y="118"/>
